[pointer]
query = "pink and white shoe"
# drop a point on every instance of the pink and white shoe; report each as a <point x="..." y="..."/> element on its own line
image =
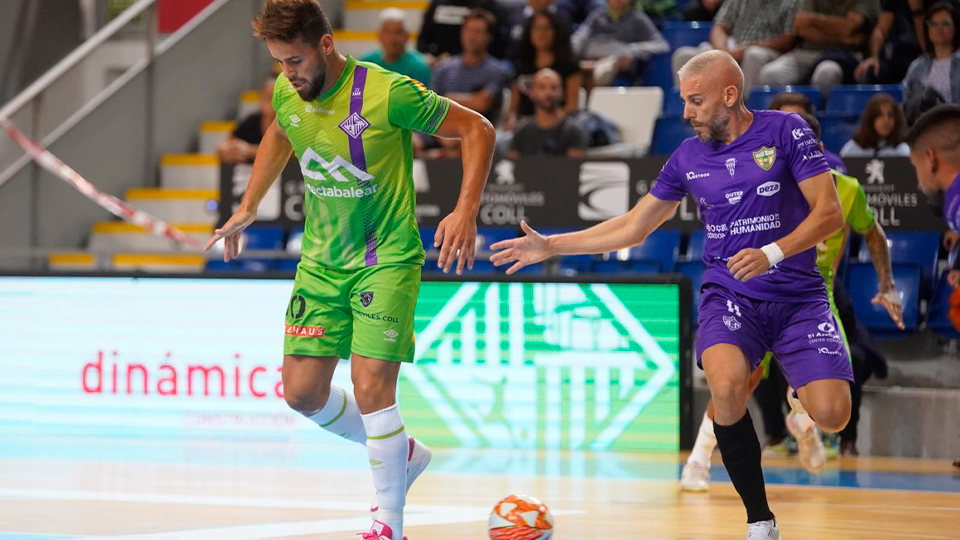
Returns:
<point x="379" y="531"/>
<point x="418" y="458"/>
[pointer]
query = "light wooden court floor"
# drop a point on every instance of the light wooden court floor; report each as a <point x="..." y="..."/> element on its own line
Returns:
<point x="59" y="490"/>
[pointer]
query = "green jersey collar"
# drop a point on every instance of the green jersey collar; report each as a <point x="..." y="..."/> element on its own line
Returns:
<point x="347" y="72"/>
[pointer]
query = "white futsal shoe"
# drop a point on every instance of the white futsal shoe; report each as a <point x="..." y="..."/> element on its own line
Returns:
<point x="764" y="530"/>
<point x="810" y="450"/>
<point x="417" y="460"/>
<point x="695" y="477"/>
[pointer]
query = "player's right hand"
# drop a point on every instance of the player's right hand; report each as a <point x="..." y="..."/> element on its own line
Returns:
<point x="230" y="233"/>
<point x="523" y="251"/>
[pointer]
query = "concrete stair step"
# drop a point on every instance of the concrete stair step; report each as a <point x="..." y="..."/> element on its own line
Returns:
<point x="190" y="171"/>
<point x="177" y="205"/>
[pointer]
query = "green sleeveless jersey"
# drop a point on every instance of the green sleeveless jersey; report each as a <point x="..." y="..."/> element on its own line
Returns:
<point x="857" y="214"/>
<point x="354" y="145"/>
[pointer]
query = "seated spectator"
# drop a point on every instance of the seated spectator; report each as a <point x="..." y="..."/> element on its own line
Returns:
<point x="520" y="16"/>
<point x="701" y="10"/>
<point x="440" y="31"/>
<point x="550" y="132"/>
<point x="545" y="43"/>
<point x="832" y="32"/>
<point x="241" y="146"/>
<point x="474" y="79"/>
<point x="893" y="43"/>
<point x="578" y="10"/>
<point x="752" y="31"/>
<point x="881" y="132"/>
<point x="799" y="103"/>
<point x="938" y="71"/>
<point x="393" y="53"/>
<point x="619" y="38"/>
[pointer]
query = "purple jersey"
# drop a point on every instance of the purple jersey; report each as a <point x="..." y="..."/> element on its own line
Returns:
<point x="951" y="205"/>
<point x="834" y="161"/>
<point x="748" y="194"/>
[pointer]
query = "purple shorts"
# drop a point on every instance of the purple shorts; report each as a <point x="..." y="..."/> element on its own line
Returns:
<point x="803" y="336"/>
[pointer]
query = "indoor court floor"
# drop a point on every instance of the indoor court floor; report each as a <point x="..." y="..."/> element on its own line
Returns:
<point x="54" y="489"/>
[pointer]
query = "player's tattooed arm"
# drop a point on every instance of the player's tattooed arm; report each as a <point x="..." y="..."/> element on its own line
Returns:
<point x="880" y="255"/>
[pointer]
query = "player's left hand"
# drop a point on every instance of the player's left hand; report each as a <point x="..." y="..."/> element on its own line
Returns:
<point x="890" y="300"/>
<point x="456" y="237"/>
<point x="748" y="264"/>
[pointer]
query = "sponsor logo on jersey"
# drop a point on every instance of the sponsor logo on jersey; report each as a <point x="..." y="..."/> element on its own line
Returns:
<point x="768" y="189"/>
<point x="765" y="157"/>
<point x="731" y="166"/>
<point x="354" y="125"/>
<point x="812" y="155"/>
<point x="294" y="121"/>
<point x="734" y="197"/>
<point x="304" y="331"/>
<point x="366" y="298"/>
<point x="391" y="335"/>
<point x="693" y="175"/>
<point x="824" y="350"/>
<point x="826" y="327"/>
<point x="298" y="305"/>
<point x="313" y="109"/>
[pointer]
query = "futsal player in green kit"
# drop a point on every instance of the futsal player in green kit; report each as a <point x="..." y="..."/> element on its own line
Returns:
<point x="349" y="124"/>
<point x="861" y="219"/>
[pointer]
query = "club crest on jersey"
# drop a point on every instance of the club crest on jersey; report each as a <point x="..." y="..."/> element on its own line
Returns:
<point x="731" y="166"/>
<point x="366" y="298"/>
<point x="732" y="323"/>
<point x="765" y="157"/>
<point x="354" y="125"/>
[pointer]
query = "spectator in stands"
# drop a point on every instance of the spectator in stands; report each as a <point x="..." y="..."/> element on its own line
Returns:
<point x="241" y="146"/>
<point x="799" y="103"/>
<point x="578" y="10"/>
<point x="935" y="76"/>
<point x="393" y="53"/>
<point x="521" y="15"/>
<point x="440" y="31"/>
<point x="550" y="131"/>
<point x="752" y="31"/>
<point x="701" y="10"/>
<point x="833" y="33"/>
<point x="545" y="43"/>
<point x="474" y="79"/>
<point x="619" y="39"/>
<point x="881" y="132"/>
<point x="893" y="43"/>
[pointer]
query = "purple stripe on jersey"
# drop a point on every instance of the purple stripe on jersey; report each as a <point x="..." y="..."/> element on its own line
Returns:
<point x="359" y="159"/>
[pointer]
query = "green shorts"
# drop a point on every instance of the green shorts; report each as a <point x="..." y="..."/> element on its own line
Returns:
<point x="367" y="312"/>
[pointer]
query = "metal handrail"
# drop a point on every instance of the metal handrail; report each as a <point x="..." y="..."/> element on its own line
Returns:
<point x="79" y="54"/>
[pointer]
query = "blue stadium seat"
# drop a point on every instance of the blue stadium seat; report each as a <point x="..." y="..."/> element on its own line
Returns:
<point x="851" y="100"/>
<point x="668" y="134"/>
<point x="681" y="34"/>
<point x="761" y="96"/>
<point x="658" y="72"/>
<point x="286" y="265"/>
<point x="294" y="240"/>
<point x="672" y="104"/>
<point x="613" y="266"/>
<point x="938" y="319"/>
<point x="426" y="236"/>
<point x="488" y="236"/>
<point x="532" y="270"/>
<point x="263" y="238"/>
<point x="480" y="266"/>
<point x="862" y="285"/>
<point x="693" y="270"/>
<point x="662" y="246"/>
<point x="571" y="265"/>
<point x="695" y="245"/>
<point x="240" y="265"/>
<point x="913" y="247"/>
<point x="836" y="130"/>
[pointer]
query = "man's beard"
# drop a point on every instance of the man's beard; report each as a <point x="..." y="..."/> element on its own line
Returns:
<point x="717" y="129"/>
<point x="548" y="105"/>
<point x="312" y="91"/>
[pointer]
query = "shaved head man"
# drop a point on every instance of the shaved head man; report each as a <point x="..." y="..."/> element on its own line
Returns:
<point x="767" y="198"/>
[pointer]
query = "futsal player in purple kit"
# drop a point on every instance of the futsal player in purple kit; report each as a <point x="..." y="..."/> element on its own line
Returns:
<point x="766" y="198"/>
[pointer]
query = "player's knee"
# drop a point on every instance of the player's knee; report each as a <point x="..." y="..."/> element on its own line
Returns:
<point x="833" y="416"/>
<point x="373" y="395"/>
<point x="727" y="389"/>
<point x="306" y="401"/>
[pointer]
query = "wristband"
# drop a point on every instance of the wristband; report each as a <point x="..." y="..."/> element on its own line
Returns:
<point x="773" y="252"/>
<point x="893" y="296"/>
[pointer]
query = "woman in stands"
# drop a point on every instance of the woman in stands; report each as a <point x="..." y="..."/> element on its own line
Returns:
<point x="881" y="131"/>
<point x="935" y="76"/>
<point x="545" y="43"/>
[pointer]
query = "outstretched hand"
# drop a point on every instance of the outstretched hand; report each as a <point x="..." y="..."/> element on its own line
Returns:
<point x="523" y="251"/>
<point x="890" y="300"/>
<point x="230" y="233"/>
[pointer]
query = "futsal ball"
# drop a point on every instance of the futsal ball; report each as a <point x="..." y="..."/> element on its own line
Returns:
<point x="520" y="517"/>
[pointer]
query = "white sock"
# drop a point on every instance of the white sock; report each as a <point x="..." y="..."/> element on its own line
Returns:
<point x="341" y="416"/>
<point x="705" y="443"/>
<point x="387" y="447"/>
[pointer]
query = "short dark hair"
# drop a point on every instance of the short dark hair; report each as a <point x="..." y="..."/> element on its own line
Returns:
<point x="866" y="136"/>
<point x="483" y="15"/>
<point x="940" y="120"/>
<point x="814" y="124"/>
<point x="288" y="20"/>
<point x="791" y="98"/>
